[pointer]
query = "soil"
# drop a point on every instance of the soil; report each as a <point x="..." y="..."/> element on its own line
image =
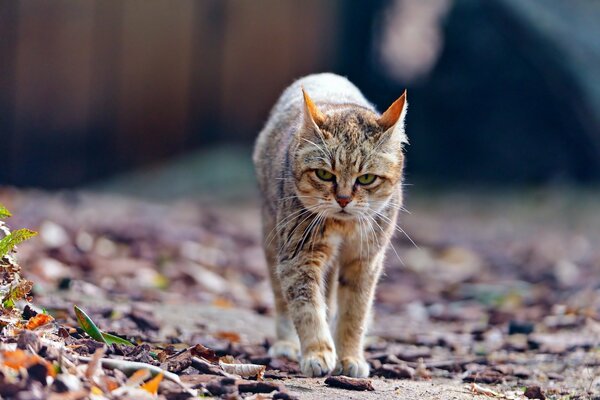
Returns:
<point x="497" y="294"/>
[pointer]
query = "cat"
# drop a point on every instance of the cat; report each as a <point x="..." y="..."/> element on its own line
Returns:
<point x="330" y="172"/>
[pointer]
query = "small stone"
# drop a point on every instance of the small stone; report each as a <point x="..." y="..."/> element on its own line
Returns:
<point x="220" y="388"/>
<point x="284" y="396"/>
<point x="53" y="235"/>
<point x="534" y="392"/>
<point x="66" y="383"/>
<point x="29" y="312"/>
<point x="38" y="372"/>
<point x="28" y="341"/>
<point x="523" y="327"/>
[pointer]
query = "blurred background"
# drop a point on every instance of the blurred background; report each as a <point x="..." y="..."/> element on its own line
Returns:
<point x="167" y="97"/>
<point x="160" y="101"/>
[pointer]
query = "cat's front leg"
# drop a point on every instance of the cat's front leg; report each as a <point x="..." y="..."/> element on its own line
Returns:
<point x="357" y="280"/>
<point x="302" y="281"/>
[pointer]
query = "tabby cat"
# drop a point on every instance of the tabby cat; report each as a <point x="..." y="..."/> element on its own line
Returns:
<point x="329" y="169"/>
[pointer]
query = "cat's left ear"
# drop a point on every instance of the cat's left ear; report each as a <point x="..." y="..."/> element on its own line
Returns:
<point x="393" y="119"/>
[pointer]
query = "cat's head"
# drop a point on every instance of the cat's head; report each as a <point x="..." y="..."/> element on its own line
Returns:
<point x="347" y="160"/>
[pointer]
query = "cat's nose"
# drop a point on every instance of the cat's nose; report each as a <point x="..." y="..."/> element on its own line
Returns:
<point x="343" y="200"/>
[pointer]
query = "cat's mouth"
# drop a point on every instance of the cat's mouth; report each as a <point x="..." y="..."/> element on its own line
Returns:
<point x="343" y="214"/>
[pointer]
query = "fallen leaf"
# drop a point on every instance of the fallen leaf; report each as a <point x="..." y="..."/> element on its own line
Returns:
<point x="38" y="320"/>
<point x="421" y="370"/>
<point x="96" y="390"/>
<point x="204" y="352"/>
<point x="138" y="377"/>
<point x="152" y="385"/>
<point x="109" y="383"/>
<point x="17" y="359"/>
<point x="233" y="337"/>
<point x="229" y="365"/>
<point x="94" y="363"/>
<point x="478" y="389"/>
<point x="222" y="302"/>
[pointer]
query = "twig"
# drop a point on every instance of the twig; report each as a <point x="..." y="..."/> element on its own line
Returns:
<point x="132" y="366"/>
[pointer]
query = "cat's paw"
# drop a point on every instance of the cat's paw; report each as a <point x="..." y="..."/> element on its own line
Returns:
<point x="285" y="348"/>
<point x="355" y="367"/>
<point x="318" y="363"/>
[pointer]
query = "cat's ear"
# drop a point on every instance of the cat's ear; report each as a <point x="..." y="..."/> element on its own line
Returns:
<point x="312" y="115"/>
<point x="393" y="118"/>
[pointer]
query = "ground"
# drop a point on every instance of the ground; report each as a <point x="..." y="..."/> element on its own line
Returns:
<point x="497" y="292"/>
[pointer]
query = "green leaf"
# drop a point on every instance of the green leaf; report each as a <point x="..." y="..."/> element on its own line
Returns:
<point x="4" y="213"/>
<point x="110" y="339"/>
<point x="88" y="325"/>
<point x="10" y="241"/>
<point x="95" y="333"/>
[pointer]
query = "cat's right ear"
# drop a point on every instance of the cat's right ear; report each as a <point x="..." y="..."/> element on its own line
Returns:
<point x="312" y="115"/>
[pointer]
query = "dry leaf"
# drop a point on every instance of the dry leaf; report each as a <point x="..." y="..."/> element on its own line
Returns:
<point x="421" y="370"/>
<point x="38" y="320"/>
<point x="77" y="395"/>
<point x="227" y="335"/>
<point x="17" y="359"/>
<point x="138" y="377"/>
<point x="109" y="383"/>
<point x="96" y="390"/>
<point x="204" y="352"/>
<point x="92" y="366"/>
<point x="229" y="365"/>
<point x="152" y="385"/>
<point x="478" y="389"/>
<point x="222" y="302"/>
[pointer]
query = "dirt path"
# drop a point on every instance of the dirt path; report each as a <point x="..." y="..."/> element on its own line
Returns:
<point x="501" y="291"/>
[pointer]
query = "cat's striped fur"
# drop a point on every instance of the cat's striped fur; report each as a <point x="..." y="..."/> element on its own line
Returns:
<point x="325" y="240"/>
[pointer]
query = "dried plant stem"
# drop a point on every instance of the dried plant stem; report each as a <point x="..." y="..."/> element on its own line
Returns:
<point x="132" y="366"/>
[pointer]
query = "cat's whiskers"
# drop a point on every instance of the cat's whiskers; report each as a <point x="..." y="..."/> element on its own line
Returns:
<point x="360" y="228"/>
<point x="309" y="230"/>
<point x="320" y="218"/>
<point x="384" y="204"/>
<point x="383" y="232"/>
<point x="398" y="207"/>
<point x="291" y="234"/>
<point x="288" y="220"/>
<point x="367" y="241"/>
<point x="284" y="221"/>
<point x="396" y="227"/>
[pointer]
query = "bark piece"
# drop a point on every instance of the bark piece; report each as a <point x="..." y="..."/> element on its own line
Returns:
<point x="393" y="371"/>
<point x="259" y="387"/>
<point x="344" y="382"/>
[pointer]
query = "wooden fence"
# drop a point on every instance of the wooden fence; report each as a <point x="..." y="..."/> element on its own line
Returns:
<point x="92" y="87"/>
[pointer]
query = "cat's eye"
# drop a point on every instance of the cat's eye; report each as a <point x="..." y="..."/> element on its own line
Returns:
<point x="366" y="179"/>
<point x="324" y="175"/>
